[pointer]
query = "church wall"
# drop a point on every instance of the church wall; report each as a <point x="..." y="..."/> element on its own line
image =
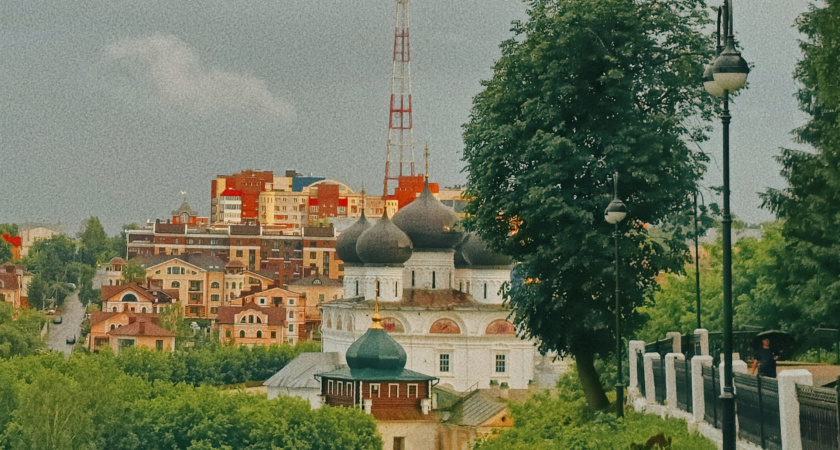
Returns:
<point x="423" y="264"/>
<point x="473" y="282"/>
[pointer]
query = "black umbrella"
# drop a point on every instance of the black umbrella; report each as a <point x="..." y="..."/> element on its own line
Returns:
<point x="781" y="342"/>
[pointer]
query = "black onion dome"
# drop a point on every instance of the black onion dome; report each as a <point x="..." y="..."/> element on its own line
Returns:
<point x="459" y="254"/>
<point x="477" y="253"/>
<point x="429" y="223"/>
<point x="376" y="350"/>
<point x="383" y="243"/>
<point x="345" y="245"/>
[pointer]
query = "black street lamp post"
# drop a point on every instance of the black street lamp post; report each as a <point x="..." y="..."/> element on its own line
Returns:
<point x="729" y="73"/>
<point x="615" y="213"/>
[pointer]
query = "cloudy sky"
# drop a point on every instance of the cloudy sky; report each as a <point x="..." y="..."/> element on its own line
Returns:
<point x="111" y="108"/>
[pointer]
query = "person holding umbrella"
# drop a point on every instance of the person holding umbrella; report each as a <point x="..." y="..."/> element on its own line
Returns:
<point x="765" y="359"/>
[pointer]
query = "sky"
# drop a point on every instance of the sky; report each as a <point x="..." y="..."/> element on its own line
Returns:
<point x="112" y="108"/>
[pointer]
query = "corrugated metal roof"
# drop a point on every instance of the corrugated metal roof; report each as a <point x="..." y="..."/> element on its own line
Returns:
<point x="300" y="372"/>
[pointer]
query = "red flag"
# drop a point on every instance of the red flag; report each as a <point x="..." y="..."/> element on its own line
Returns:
<point x="14" y="240"/>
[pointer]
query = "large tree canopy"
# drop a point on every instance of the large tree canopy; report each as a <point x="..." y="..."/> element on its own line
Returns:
<point x="809" y="268"/>
<point x="587" y="88"/>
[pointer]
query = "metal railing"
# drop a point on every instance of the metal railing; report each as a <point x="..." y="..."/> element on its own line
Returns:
<point x="757" y="406"/>
<point x="819" y="418"/>
<point x="659" y="380"/>
<point x="682" y="370"/>
<point x="662" y="346"/>
<point x="640" y="371"/>
<point x="711" y="396"/>
<point x="742" y="343"/>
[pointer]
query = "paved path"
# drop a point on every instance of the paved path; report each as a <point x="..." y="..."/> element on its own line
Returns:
<point x="73" y="313"/>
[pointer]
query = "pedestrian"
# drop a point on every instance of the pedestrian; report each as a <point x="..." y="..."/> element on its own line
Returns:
<point x="765" y="360"/>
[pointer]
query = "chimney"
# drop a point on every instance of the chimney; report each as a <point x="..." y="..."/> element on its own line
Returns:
<point x="142" y="327"/>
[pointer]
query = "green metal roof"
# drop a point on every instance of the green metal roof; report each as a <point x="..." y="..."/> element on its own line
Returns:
<point x="346" y="373"/>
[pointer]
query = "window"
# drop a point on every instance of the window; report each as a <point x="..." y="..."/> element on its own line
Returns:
<point x="227" y="333"/>
<point x="374" y="390"/>
<point x="239" y="253"/>
<point x="485" y="290"/>
<point x="312" y="255"/>
<point x="340" y="388"/>
<point x="291" y="328"/>
<point x="250" y="318"/>
<point x="242" y="333"/>
<point x="393" y="390"/>
<point x="291" y="314"/>
<point x="412" y="391"/>
<point x="159" y="344"/>
<point x="214" y="285"/>
<point x="433" y="280"/>
<point x="259" y="334"/>
<point x="320" y="297"/>
<point x="176" y="284"/>
<point x="195" y="285"/>
<point x="500" y="363"/>
<point x="262" y="300"/>
<point x="273" y="335"/>
<point x="291" y="302"/>
<point x="330" y="387"/>
<point x="444" y="362"/>
<point x="214" y="297"/>
<point x="399" y="443"/>
<point x="214" y="310"/>
<point x="412" y="278"/>
<point x="194" y="310"/>
<point x="348" y="389"/>
<point x="113" y="326"/>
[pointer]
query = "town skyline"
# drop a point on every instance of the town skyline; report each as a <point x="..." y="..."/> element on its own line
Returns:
<point x="113" y="111"/>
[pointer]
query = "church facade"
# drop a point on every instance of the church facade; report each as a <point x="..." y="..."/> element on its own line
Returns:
<point x="439" y="298"/>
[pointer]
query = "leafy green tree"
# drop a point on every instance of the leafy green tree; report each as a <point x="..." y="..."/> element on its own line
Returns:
<point x="20" y="335"/>
<point x="95" y="246"/>
<point x="587" y="88"/>
<point x="134" y="272"/>
<point x="5" y="247"/>
<point x="809" y="268"/>
<point x="51" y="257"/>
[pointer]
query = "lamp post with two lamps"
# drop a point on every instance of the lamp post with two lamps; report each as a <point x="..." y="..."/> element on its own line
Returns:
<point x="615" y="213"/>
<point x="725" y="75"/>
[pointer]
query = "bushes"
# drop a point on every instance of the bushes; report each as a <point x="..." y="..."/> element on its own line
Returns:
<point x="215" y="364"/>
<point x="89" y="402"/>
<point x="563" y="421"/>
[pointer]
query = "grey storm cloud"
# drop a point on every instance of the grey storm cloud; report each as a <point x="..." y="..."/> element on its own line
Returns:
<point x="180" y="78"/>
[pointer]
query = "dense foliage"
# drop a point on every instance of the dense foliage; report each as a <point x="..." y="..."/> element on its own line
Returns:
<point x="5" y="247"/>
<point x="563" y="421"/>
<point x="20" y="331"/>
<point x="754" y="292"/>
<point x="809" y="268"/>
<point x="87" y="402"/>
<point x="587" y="88"/>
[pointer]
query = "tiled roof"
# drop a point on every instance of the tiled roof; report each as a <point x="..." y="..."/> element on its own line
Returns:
<point x="98" y="317"/>
<point x="346" y="373"/>
<point x="142" y="328"/>
<point x="276" y="314"/>
<point x="9" y="280"/>
<point x="476" y="408"/>
<point x="300" y="372"/>
<point x="440" y="299"/>
<point x="316" y="280"/>
<point x="109" y="291"/>
<point x="208" y="263"/>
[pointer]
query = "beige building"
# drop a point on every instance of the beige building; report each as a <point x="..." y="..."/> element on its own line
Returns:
<point x="141" y="332"/>
<point x="29" y="235"/>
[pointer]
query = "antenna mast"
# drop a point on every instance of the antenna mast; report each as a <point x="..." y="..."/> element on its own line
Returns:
<point x="400" y="146"/>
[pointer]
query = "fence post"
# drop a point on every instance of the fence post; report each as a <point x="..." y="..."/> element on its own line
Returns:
<point x="698" y="405"/>
<point x="650" y="389"/>
<point x="671" y="379"/>
<point x="676" y="341"/>
<point x="789" y="406"/>
<point x="701" y="336"/>
<point x="738" y="366"/>
<point x="633" y="363"/>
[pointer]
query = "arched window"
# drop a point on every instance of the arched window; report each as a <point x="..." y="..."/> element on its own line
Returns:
<point x="113" y="326"/>
<point x="329" y="322"/>
<point x="129" y="298"/>
<point x="250" y="318"/>
<point x="114" y="309"/>
<point x="176" y="284"/>
<point x="143" y="309"/>
<point x="338" y="324"/>
<point x="259" y="319"/>
<point x="500" y="326"/>
<point x="259" y="334"/>
<point x="242" y="333"/>
<point x="445" y="326"/>
<point x="214" y="285"/>
<point x="240" y="285"/>
<point x="242" y="320"/>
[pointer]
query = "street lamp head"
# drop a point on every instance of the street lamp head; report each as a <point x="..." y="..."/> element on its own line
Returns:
<point x="615" y="212"/>
<point x="709" y="82"/>
<point x="730" y="69"/>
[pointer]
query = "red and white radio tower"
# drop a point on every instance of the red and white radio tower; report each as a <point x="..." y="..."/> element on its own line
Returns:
<point x="400" y="148"/>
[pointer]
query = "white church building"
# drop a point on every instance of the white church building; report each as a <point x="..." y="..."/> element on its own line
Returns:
<point x="438" y="297"/>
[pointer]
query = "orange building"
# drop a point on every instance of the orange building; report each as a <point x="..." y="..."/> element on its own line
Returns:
<point x="101" y="323"/>
<point x="135" y="298"/>
<point x="12" y="289"/>
<point x="141" y="332"/>
<point x="252" y="325"/>
<point x="294" y="317"/>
